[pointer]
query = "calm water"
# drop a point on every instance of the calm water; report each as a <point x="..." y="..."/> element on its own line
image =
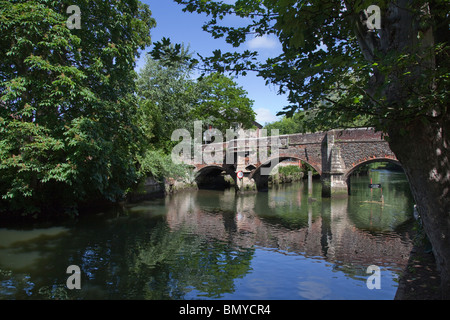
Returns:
<point x="203" y="244"/>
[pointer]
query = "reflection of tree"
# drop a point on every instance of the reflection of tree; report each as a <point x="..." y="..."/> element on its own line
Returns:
<point x="127" y="258"/>
<point x="173" y="262"/>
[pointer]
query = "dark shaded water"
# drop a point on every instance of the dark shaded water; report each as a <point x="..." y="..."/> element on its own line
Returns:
<point x="215" y="245"/>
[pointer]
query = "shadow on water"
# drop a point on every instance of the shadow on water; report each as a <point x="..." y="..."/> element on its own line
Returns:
<point x="280" y="244"/>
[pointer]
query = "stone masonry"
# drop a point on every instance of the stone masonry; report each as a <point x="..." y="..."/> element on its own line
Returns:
<point x="334" y="154"/>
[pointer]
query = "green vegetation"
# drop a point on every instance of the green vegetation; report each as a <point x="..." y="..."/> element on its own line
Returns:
<point x="291" y="173"/>
<point x="290" y="170"/>
<point x="166" y="94"/>
<point x="171" y="99"/>
<point x="77" y="124"/>
<point x="287" y="174"/>
<point x="307" y="121"/>
<point x="296" y="171"/>
<point x="67" y="133"/>
<point x="221" y="103"/>
<point x="287" y="125"/>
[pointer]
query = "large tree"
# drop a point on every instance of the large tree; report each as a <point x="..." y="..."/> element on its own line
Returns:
<point x="67" y="133"/>
<point x="171" y="98"/>
<point x="167" y="92"/>
<point x="223" y="103"/>
<point x="391" y="68"/>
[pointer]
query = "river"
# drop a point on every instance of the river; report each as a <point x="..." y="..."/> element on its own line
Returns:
<point x="280" y="244"/>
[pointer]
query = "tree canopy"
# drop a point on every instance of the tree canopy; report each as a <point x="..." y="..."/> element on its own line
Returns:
<point x="328" y="49"/>
<point x="173" y="98"/>
<point x="66" y="102"/>
<point x="222" y="102"/>
<point x="167" y="93"/>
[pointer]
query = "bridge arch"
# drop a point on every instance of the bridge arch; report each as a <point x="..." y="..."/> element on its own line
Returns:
<point x="282" y="158"/>
<point x="212" y="177"/>
<point x="348" y="174"/>
<point x="366" y="162"/>
<point x="262" y="180"/>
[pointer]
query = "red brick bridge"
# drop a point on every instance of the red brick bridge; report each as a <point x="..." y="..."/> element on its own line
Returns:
<point x="334" y="154"/>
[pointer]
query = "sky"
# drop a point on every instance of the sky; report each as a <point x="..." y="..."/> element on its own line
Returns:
<point x="185" y="27"/>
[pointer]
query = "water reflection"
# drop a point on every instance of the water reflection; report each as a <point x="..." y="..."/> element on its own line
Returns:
<point x="343" y="230"/>
<point x="281" y="244"/>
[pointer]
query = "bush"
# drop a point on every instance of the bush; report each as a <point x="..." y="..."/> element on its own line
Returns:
<point x="290" y="170"/>
<point x="157" y="164"/>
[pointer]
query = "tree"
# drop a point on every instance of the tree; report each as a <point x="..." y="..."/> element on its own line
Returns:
<point x="222" y="103"/>
<point x="166" y="92"/>
<point x="171" y="98"/>
<point x="396" y="75"/>
<point x="288" y="125"/>
<point x="66" y="102"/>
<point x="307" y="121"/>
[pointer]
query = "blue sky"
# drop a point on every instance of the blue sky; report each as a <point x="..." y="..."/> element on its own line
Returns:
<point x="186" y="28"/>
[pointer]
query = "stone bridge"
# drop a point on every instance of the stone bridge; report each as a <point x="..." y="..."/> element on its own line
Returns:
<point x="334" y="154"/>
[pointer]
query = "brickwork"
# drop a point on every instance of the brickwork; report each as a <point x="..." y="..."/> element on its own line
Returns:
<point x="334" y="154"/>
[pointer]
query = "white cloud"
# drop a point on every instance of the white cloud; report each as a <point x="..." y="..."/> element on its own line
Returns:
<point x="263" y="42"/>
<point x="264" y="115"/>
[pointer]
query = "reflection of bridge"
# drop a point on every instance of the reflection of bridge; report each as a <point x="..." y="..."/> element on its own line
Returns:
<point x="324" y="228"/>
<point x="334" y="154"/>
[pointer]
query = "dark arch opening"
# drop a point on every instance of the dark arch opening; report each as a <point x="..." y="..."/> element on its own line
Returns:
<point x="215" y="178"/>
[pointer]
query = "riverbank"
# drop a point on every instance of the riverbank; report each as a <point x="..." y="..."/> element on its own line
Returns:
<point x="420" y="279"/>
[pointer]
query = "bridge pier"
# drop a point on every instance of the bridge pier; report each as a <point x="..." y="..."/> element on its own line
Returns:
<point x="333" y="166"/>
<point x="334" y="185"/>
<point x="245" y="184"/>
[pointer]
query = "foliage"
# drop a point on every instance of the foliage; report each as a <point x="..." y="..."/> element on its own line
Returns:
<point x="171" y="98"/>
<point x="304" y="121"/>
<point x="157" y="164"/>
<point x="66" y="105"/>
<point x="287" y="125"/>
<point x="290" y="170"/>
<point x="222" y="102"/>
<point x="332" y="64"/>
<point x="166" y="93"/>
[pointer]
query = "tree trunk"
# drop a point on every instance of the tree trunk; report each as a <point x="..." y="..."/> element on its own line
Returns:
<point x="423" y="144"/>
<point x="424" y="153"/>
